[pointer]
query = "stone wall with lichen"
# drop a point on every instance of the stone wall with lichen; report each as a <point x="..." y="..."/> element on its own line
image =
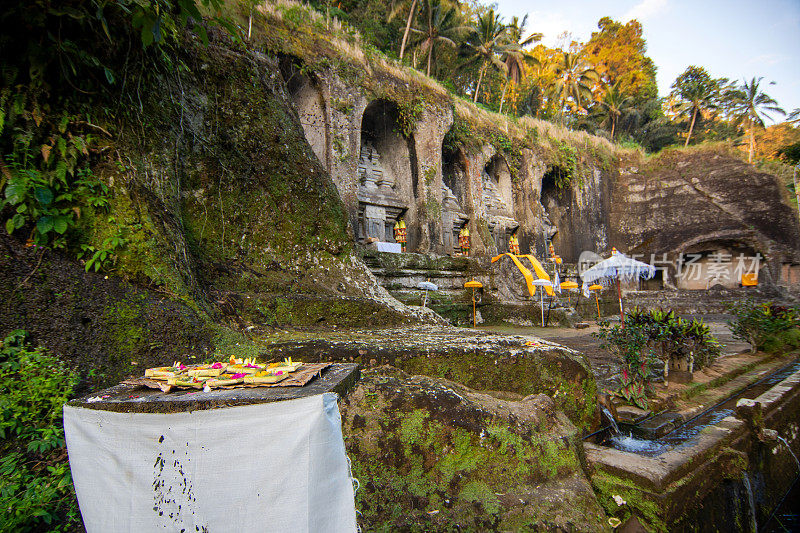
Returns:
<point x="515" y="364"/>
<point x="702" y="201"/>
<point x="433" y="455"/>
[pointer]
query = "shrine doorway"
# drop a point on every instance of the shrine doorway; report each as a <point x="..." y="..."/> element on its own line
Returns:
<point x="385" y="181"/>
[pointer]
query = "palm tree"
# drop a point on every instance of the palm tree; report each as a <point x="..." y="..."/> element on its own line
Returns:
<point x="515" y="56"/>
<point x="486" y="45"/>
<point x="750" y="107"/>
<point x="613" y="106"/>
<point x="411" y="12"/>
<point x="441" y="26"/>
<point x="574" y="78"/>
<point x="698" y="94"/>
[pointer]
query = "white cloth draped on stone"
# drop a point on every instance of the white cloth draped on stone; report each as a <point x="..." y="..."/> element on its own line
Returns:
<point x="277" y="466"/>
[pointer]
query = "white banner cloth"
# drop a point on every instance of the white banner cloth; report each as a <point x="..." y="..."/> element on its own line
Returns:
<point x="391" y="247"/>
<point x="277" y="466"/>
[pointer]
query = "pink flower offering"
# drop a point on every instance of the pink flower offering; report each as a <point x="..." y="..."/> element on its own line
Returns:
<point x="251" y="366"/>
<point x="279" y="373"/>
<point x="216" y="365"/>
<point x="239" y="375"/>
<point x="182" y="367"/>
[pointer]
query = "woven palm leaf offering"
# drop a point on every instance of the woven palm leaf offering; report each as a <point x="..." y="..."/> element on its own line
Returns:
<point x="244" y="366"/>
<point x="274" y="373"/>
<point x="235" y="372"/>
<point x="185" y="380"/>
<point x="226" y="380"/>
<point x="210" y="370"/>
<point x="165" y="372"/>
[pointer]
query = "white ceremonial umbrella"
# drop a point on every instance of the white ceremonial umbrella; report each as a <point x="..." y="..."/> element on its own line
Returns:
<point x="427" y="286"/>
<point x="541" y="282"/>
<point x="618" y="267"/>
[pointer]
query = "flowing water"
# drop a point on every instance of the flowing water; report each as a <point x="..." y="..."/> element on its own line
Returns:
<point x="751" y="502"/>
<point x="610" y="418"/>
<point x="629" y="443"/>
<point x="689" y="430"/>
<point x="791" y="452"/>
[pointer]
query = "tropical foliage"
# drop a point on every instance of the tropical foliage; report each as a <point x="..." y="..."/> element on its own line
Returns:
<point x="606" y="86"/>
<point x="58" y="94"/>
<point x="749" y="107"/>
<point x="650" y="336"/>
<point x="36" y="492"/>
<point x="768" y="327"/>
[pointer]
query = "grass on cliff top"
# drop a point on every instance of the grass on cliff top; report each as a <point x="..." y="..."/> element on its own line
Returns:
<point x="294" y="28"/>
<point x="309" y="33"/>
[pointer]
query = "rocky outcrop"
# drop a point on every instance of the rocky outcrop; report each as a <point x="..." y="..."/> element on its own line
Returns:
<point x="702" y="201"/>
<point x="432" y="455"/>
<point x="510" y="363"/>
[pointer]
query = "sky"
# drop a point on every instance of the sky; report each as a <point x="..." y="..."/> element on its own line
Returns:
<point x="737" y="39"/>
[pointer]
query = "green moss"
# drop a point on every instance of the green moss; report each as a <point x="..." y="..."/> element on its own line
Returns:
<point x="638" y="503"/>
<point x="479" y="492"/>
<point x="433" y="209"/>
<point x="412" y="461"/>
<point x="283" y="310"/>
<point x="125" y="332"/>
<point x="412" y="426"/>
<point x="228" y="342"/>
<point x="525" y="374"/>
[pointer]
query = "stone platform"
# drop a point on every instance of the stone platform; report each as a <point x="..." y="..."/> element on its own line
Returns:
<point x="338" y="378"/>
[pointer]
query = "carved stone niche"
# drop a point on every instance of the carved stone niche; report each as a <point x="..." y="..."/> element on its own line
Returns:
<point x="501" y="229"/>
<point x="453" y="219"/>
<point x="492" y="200"/>
<point x="379" y="206"/>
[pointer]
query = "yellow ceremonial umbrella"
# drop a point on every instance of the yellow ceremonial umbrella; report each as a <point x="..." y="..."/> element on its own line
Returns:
<point x="473" y="285"/>
<point x="568" y="286"/>
<point x="596" y="288"/>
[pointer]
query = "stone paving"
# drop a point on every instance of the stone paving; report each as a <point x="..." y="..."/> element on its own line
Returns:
<point x="604" y="364"/>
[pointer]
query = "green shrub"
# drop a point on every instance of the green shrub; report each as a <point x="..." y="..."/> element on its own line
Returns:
<point x="768" y="327"/>
<point x="650" y="336"/>
<point x="36" y="492"/>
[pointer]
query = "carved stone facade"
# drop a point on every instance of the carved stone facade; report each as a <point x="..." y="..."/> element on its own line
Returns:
<point x="382" y="174"/>
<point x="498" y="213"/>
<point x="379" y="206"/>
<point x="453" y="219"/>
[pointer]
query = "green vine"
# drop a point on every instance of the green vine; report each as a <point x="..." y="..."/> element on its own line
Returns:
<point x="566" y="161"/>
<point x="460" y="135"/>
<point x="409" y="114"/>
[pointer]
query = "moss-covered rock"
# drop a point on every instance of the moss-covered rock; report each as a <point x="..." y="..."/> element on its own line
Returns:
<point x="432" y="455"/>
<point x="103" y="326"/>
<point x="482" y="361"/>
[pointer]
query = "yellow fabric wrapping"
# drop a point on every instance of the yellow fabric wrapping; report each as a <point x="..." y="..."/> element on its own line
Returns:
<point x="537" y="267"/>
<point x="527" y="273"/>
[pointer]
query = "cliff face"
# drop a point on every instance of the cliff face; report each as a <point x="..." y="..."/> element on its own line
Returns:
<point x="399" y="147"/>
<point x="701" y="202"/>
<point x="225" y="220"/>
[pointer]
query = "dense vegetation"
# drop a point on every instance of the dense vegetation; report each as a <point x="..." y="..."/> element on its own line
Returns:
<point x="649" y="336"/>
<point x="36" y="490"/>
<point x="70" y="81"/>
<point x="60" y="92"/>
<point x="768" y="327"/>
